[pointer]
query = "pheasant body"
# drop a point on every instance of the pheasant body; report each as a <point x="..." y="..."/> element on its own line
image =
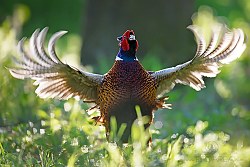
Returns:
<point x="127" y="83"/>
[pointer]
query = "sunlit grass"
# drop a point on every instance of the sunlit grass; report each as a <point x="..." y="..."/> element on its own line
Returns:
<point x="78" y="141"/>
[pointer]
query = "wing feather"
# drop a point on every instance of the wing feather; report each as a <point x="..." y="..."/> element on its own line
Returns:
<point x="224" y="47"/>
<point x="34" y="50"/>
<point x="54" y="78"/>
<point x="201" y="43"/>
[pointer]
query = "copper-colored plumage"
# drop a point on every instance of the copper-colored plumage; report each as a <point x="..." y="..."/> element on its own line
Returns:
<point x="126" y="85"/>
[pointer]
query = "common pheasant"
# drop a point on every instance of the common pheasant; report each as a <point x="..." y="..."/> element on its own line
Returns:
<point x="127" y="83"/>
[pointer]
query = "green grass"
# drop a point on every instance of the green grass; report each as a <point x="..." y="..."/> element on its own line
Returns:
<point x="71" y="138"/>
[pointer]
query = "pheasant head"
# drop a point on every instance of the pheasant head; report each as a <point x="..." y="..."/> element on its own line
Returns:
<point x="128" y="46"/>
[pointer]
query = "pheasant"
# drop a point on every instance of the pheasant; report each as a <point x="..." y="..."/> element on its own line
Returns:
<point x="127" y="84"/>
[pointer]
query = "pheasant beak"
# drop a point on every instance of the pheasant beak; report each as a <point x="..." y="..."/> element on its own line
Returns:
<point x="119" y="39"/>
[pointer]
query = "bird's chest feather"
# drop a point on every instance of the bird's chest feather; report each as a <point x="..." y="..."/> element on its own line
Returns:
<point x="127" y="83"/>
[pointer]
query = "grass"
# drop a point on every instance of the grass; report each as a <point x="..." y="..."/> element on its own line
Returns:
<point x="70" y="138"/>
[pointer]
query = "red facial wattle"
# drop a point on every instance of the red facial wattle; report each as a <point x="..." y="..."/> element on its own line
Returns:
<point x="125" y="40"/>
<point x="137" y="45"/>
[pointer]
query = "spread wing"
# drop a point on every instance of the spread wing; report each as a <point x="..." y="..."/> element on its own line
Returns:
<point x="224" y="47"/>
<point x="54" y="78"/>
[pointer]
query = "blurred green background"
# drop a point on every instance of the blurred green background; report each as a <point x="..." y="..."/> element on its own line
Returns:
<point x="210" y="127"/>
